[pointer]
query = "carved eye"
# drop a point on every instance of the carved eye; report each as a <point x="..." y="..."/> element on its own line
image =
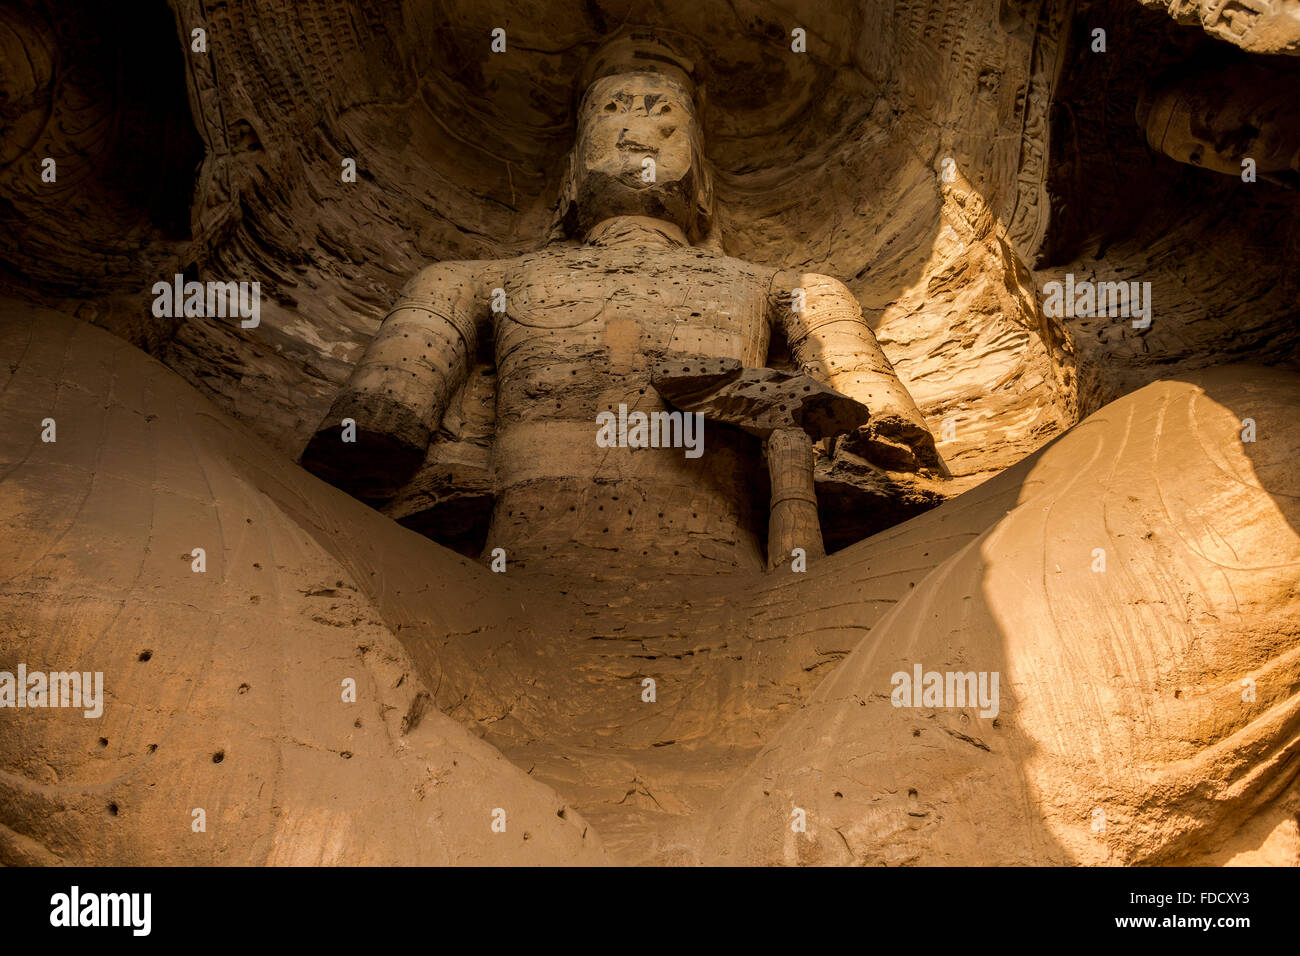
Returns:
<point x="611" y="107"/>
<point x="667" y="109"/>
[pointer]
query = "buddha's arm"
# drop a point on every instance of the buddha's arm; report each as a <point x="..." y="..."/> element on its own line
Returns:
<point x="399" y="389"/>
<point x="831" y="341"/>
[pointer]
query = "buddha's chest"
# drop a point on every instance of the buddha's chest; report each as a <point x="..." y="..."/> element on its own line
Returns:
<point x="633" y="302"/>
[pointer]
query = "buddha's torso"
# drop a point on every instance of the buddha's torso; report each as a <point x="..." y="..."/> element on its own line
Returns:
<point x="582" y="328"/>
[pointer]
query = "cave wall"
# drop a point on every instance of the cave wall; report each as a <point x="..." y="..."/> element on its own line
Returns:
<point x="97" y="93"/>
<point x="1220" y="253"/>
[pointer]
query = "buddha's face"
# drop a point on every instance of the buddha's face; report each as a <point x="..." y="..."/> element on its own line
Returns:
<point x="1215" y="124"/>
<point x="637" y="152"/>
<point x="1176" y="129"/>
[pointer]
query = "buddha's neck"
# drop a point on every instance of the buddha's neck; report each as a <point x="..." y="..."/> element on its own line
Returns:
<point x="636" y="231"/>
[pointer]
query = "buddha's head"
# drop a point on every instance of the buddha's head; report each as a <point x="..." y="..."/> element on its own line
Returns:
<point x="1217" y="118"/>
<point x="639" y="145"/>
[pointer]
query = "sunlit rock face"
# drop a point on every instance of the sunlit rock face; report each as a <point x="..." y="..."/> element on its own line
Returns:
<point x="932" y="175"/>
<point x="1260" y="26"/>
<point x="827" y="161"/>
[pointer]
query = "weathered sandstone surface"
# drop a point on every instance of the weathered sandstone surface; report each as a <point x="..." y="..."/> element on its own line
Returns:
<point x="773" y="691"/>
<point x="877" y="217"/>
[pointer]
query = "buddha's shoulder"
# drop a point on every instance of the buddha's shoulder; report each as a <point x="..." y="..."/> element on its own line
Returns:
<point x="454" y="275"/>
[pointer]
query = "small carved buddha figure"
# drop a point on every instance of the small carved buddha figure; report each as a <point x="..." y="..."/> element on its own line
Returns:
<point x="578" y="328"/>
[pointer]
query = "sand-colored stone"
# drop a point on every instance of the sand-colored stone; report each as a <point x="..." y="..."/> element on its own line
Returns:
<point x="920" y="173"/>
<point x="772" y="692"/>
<point x="1260" y="26"/>
<point x="1122" y="691"/>
<point x="304" y="588"/>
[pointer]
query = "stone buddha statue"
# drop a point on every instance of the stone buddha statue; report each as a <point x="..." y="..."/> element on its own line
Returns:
<point x="1129" y="587"/>
<point x="1218" y="118"/>
<point x="635" y="276"/>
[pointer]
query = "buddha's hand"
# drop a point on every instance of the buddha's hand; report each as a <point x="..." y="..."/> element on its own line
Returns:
<point x="893" y="443"/>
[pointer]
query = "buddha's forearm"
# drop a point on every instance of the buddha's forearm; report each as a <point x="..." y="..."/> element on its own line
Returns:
<point x="411" y="368"/>
<point x="377" y="431"/>
<point x="831" y="341"/>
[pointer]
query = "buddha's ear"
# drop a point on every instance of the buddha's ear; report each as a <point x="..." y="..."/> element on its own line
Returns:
<point x="703" y="200"/>
<point x="566" y="203"/>
<point x="704" y="173"/>
<point x="701" y="101"/>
